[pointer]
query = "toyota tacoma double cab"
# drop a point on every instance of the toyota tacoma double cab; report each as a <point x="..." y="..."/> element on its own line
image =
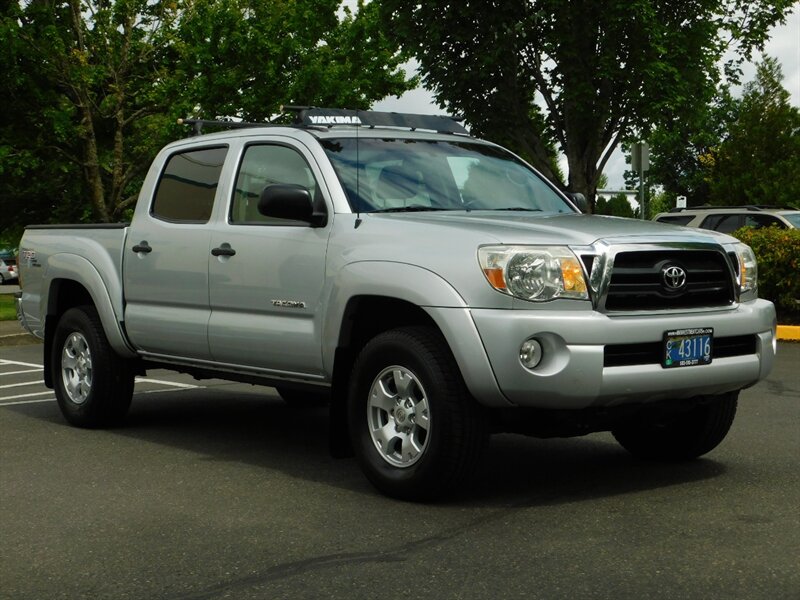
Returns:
<point x="432" y="287"/>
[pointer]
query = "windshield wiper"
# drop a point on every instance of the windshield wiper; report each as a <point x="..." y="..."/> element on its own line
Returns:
<point x="412" y="208"/>
<point x="519" y="208"/>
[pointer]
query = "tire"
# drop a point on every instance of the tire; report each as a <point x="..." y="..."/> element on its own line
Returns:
<point x="415" y="430"/>
<point x="684" y="437"/>
<point x="93" y="385"/>
<point x="298" y="398"/>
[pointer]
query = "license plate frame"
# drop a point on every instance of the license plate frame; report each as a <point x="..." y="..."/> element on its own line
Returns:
<point x="690" y="347"/>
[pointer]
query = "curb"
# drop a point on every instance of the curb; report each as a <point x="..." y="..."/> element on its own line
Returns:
<point x="789" y="333"/>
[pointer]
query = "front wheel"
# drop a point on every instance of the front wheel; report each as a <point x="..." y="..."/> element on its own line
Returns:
<point x="683" y="437"/>
<point x="416" y="431"/>
<point x="93" y="385"/>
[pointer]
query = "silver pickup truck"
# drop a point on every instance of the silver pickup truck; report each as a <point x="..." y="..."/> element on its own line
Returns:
<point x="432" y="287"/>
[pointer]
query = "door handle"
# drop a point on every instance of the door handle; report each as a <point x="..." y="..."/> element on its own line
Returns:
<point x="224" y="250"/>
<point x="142" y="247"/>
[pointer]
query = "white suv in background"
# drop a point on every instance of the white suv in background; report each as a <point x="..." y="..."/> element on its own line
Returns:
<point x="730" y="218"/>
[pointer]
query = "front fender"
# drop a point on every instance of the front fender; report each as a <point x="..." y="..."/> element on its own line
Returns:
<point x="434" y="295"/>
<point x="75" y="268"/>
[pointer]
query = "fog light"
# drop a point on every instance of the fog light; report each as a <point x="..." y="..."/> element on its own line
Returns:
<point x="530" y="354"/>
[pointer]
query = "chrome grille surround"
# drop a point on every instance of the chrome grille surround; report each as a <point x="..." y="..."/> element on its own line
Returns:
<point x="628" y="278"/>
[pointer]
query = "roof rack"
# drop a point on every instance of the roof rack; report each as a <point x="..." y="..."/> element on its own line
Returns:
<point x="753" y="207"/>
<point x="312" y="116"/>
<point x="198" y="124"/>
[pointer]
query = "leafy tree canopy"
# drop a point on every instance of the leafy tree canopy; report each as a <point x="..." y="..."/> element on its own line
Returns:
<point x="95" y="86"/>
<point x="581" y="74"/>
<point x="736" y="150"/>
<point x="759" y="160"/>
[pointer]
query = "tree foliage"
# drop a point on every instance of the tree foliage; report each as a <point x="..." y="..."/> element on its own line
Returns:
<point x="95" y="86"/>
<point x="682" y="149"/>
<point x="778" y="254"/>
<point x="616" y="206"/>
<point x="736" y="150"/>
<point x="758" y="162"/>
<point x="602" y="69"/>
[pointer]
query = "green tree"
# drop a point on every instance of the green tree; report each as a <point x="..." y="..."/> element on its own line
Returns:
<point x="602" y="69"/>
<point x="616" y="206"/>
<point x="246" y="58"/>
<point x="95" y="86"/>
<point x="759" y="160"/>
<point x="683" y="147"/>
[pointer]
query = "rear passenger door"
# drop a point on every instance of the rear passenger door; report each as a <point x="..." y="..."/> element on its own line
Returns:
<point x="166" y="258"/>
<point x="266" y="288"/>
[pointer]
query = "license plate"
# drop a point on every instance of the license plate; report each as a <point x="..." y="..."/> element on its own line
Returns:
<point x="688" y="347"/>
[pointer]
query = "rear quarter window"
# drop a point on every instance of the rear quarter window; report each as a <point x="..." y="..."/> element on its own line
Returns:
<point x="188" y="185"/>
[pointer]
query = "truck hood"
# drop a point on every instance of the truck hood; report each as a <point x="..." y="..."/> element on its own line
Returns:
<point x="446" y="243"/>
<point x="563" y="229"/>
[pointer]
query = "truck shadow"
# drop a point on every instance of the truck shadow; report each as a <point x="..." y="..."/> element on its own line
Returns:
<point x="259" y="429"/>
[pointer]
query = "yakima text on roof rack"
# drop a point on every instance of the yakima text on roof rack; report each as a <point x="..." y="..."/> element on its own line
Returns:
<point x="329" y="117"/>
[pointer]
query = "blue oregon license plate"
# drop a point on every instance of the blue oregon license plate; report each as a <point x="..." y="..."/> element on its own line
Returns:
<point x="688" y="347"/>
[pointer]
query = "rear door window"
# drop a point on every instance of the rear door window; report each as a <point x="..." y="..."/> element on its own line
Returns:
<point x="188" y="185"/>
<point x="723" y="223"/>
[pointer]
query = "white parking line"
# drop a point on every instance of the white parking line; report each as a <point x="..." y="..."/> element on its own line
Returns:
<point x="16" y="362"/>
<point x="4" y="401"/>
<point x="187" y="386"/>
<point x="20" y="372"/>
<point x="47" y="393"/>
<point x="10" y="385"/>
<point x="27" y="402"/>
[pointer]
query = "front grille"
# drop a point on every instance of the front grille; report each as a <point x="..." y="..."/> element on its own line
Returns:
<point x="638" y="282"/>
<point x="625" y="355"/>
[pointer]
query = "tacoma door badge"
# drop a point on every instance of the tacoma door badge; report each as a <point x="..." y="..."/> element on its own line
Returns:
<point x="289" y="303"/>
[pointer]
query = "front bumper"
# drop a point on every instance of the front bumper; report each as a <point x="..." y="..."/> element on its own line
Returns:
<point x="572" y="374"/>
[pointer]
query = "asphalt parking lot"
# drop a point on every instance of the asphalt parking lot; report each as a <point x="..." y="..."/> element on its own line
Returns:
<point x="219" y="490"/>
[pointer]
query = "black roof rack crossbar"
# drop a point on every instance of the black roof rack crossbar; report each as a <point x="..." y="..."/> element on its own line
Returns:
<point x="198" y="124"/>
<point x="331" y="117"/>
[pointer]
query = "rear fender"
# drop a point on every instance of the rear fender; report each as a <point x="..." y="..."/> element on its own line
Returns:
<point x="71" y="267"/>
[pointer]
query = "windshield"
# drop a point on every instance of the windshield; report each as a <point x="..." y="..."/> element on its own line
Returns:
<point x="793" y="218"/>
<point x="392" y="175"/>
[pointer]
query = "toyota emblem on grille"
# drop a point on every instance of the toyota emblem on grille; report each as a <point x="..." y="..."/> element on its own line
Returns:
<point x="674" y="277"/>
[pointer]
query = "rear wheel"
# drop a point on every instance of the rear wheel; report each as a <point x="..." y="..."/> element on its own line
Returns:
<point x="683" y="437"/>
<point x="416" y="431"/>
<point x="93" y="385"/>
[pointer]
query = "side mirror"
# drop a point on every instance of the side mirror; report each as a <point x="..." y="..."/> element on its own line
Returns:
<point x="288" y="201"/>
<point x="580" y="201"/>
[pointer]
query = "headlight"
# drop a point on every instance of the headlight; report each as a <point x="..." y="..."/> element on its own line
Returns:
<point x="748" y="268"/>
<point x="534" y="273"/>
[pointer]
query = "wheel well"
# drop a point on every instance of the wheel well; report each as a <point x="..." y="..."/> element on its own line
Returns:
<point x="367" y="316"/>
<point x="63" y="295"/>
<point x="363" y="319"/>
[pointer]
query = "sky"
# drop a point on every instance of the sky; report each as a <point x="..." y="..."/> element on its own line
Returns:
<point x="784" y="44"/>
